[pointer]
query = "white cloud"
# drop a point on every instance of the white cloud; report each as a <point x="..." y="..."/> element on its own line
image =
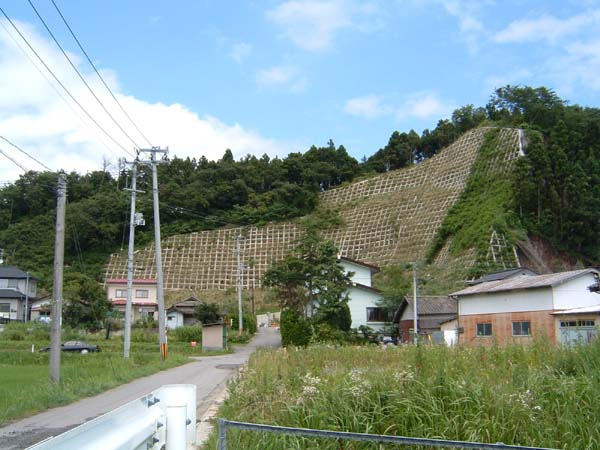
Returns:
<point x="514" y="77"/>
<point x="240" y="51"/>
<point x="421" y="105"/>
<point x="546" y="28"/>
<point x="286" y="77"/>
<point x="466" y="12"/>
<point x="424" y="105"/>
<point x="313" y="24"/>
<point x="572" y="43"/>
<point x="33" y="116"/>
<point x="368" y="106"/>
<point x="579" y="65"/>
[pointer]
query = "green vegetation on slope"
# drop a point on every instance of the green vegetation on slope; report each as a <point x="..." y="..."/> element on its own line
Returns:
<point x="486" y="204"/>
<point x="556" y="193"/>
<point x="536" y="396"/>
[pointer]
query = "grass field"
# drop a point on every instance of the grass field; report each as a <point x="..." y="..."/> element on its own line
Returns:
<point x="24" y="383"/>
<point x="537" y="396"/>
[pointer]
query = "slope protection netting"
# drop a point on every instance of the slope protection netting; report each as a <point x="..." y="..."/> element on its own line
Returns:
<point x="389" y="218"/>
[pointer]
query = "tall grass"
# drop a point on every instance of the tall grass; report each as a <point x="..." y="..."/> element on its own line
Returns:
<point x="538" y="395"/>
<point x="24" y="383"/>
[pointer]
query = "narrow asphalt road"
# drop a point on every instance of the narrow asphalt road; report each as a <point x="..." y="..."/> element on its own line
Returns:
<point x="207" y="373"/>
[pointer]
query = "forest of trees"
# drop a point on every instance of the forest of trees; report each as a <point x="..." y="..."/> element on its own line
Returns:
<point x="557" y="187"/>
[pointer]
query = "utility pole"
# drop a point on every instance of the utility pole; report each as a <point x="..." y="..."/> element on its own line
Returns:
<point x="160" y="297"/>
<point x="26" y="296"/>
<point x="415" y="309"/>
<point x="239" y="283"/>
<point x="57" y="285"/>
<point x="133" y="221"/>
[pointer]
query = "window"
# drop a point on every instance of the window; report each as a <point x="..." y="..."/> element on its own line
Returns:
<point x="141" y="293"/>
<point x="4" y="307"/>
<point x="120" y="293"/>
<point x="577" y="323"/>
<point x="522" y="328"/>
<point x="13" y="283"/>
<point x="484" y="329"/>
<point x="376" y="315"/>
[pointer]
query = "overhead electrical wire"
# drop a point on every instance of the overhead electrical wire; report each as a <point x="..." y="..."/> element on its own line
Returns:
<point x="53" y="86"/>
<point x="98" y="73"/>
<point x="13" y="160"/>
<point x="80" y="75"/>
<point x="26" y="154"/>
<point x="62" y="85"/>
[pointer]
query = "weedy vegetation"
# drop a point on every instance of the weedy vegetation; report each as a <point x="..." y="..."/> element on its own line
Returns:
<point x="535" y="396"/>
<point x="25" y="387"/>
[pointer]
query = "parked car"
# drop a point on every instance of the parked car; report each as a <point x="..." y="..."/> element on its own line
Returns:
<point x="75" y="346"/>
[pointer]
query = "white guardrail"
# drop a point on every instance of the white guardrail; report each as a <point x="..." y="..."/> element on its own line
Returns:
<point x="163" y="419"/>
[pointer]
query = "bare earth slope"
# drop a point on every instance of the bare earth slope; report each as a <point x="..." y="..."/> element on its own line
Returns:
<point x="389" y="218"/>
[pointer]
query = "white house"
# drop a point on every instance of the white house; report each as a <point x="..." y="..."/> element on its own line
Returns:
<point x="563" y="306"/>
<point x="144" y="298"/>
<point x="17" y="290"/>
<point x="363" y="298"/>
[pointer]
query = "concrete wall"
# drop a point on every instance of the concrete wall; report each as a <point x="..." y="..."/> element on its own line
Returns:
<point x="506" y="302"/>
<point x="575" y="293"/>
<point x="542" y="323"/>
<point x="359" y="300"/>
<point x="362" y="274"/>
<point x="212" y="337"/>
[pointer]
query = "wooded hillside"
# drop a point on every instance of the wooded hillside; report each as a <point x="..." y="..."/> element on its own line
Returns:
<point x="554" y="191"/>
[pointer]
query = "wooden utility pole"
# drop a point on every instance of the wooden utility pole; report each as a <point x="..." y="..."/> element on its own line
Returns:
<point x="57" y="285"/>
<point x="160" y="295"/>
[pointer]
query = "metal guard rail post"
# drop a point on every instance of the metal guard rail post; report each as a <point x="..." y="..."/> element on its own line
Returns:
<point x="306" y="432"/>
<point x="163" y="419"/>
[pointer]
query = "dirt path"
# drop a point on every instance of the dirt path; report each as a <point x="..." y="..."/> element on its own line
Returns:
<point x="209" y="374"/>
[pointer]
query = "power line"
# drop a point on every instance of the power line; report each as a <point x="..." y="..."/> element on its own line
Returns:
<point x="26" y="154"/>
<point x="61" y="83"/>
<point x="62" y="97"/>
<point x="98" y="73"/>
<point x="80" y="75"/>
<point x="13" y="160"/>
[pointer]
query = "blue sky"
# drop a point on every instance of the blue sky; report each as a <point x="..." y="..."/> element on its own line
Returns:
<point x="277" y="76"/>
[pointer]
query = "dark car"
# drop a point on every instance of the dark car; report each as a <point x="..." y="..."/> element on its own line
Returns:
<point x="75" y="346"/>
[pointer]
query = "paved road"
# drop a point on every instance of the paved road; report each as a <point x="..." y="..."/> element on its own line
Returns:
<point x="207" y="373"/>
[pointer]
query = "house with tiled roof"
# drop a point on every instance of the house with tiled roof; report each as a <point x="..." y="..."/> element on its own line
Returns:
<point x="143" y="300"/>
<point x="18" y="289"/>
<point x="432" y="312"/>
<point x="563" y="307"/>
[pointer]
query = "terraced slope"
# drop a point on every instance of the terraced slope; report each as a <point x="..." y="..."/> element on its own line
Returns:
<point x="389" y="218"/>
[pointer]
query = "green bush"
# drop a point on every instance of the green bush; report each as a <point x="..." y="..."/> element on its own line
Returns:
<point x="295" y="329"/>
<point x="249" y="322"/>
<point x="145" y="323"/>
<point x="324" y="332"/>
<point x="186" y="334"/>
<point x="20" y="331"/>
<point x="338" y="318"/>
<point x="142" y="335"/>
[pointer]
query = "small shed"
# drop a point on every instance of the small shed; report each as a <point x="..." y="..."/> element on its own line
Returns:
<point x="432" y="310"/>
<point x="183" y="313"/>
<point x="214" y="337"/>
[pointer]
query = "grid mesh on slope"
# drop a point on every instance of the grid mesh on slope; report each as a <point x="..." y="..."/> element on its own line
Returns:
<point x="389" y="218"/>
